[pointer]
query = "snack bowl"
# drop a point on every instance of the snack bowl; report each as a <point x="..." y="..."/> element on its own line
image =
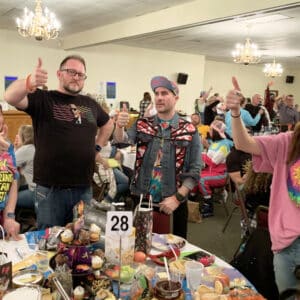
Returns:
<point x="26" y="277"/>
<point x="126" y="273"/>
<point x="165" y="289"/>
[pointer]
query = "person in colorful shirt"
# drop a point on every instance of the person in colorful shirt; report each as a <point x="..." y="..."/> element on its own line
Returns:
<point x="278" y="154"/>
<point x="69" y="131"/>
<point x="8" y="183"/>
<point x="214" y="173"/>
<point x="168" y="159"/>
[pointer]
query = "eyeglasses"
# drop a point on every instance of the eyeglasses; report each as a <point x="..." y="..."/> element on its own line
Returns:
<point x="73" y="73"/>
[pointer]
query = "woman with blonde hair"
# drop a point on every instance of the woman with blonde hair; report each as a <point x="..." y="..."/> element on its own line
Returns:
<point x="24" y="159"/>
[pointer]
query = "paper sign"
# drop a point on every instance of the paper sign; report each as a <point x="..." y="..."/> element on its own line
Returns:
<point x="119" y="223"/>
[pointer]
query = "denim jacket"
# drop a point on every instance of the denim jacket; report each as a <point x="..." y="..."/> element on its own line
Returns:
<point x="181" y="160"/>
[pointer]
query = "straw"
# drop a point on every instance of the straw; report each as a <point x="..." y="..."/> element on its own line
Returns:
<point x="173" y="251"/>
<point x="167" y="271"/>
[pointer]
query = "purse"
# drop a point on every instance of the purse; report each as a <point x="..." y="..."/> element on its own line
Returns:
<point x="194" y="215"/>
<point x="100" y="184"/>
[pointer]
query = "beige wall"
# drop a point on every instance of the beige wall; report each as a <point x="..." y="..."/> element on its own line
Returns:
<point x="251" y="79"/>
<point x="132" y="69"/>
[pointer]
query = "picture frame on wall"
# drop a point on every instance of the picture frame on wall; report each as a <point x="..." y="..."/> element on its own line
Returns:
<point x="8" y="80"/>
<point x="274" y="93"/>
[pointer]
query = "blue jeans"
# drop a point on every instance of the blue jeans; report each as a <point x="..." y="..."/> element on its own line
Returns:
<point x="122" y="181"/>
<point x="54" y="205"/>
<point x="25" y="199"/>
<point x="285" y="262"/>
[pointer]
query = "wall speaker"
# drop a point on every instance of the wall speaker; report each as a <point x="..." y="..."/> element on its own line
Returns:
<point x="182" y="78"/>
<point x="289" y="79"/>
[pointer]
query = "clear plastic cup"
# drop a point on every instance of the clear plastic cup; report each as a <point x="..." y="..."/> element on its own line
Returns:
<point x="194" y="272"/>
<point x="42" y="261"/>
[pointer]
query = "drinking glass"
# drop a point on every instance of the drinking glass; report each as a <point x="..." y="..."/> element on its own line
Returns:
<point x="194" y="272"/>
<point x="42" y="261"/>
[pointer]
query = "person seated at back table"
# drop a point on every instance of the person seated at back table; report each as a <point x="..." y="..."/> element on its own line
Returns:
<point x="203" y="130"/>
<point x="245" y="117"/>
<point x="111" y="158"/>
<point x="24" y="159"/>
<point x="214" y="173"/>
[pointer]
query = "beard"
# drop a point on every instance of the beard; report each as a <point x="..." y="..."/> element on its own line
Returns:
<point x="71" y="90"/>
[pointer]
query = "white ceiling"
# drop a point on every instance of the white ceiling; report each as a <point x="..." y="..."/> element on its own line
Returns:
<point x="280" y="38"/>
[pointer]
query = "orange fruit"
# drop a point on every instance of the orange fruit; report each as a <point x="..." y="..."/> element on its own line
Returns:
<point x="139" y="256"/>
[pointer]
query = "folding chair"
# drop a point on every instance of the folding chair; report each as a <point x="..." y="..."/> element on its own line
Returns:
<point x="218" y="192"/>
<point x="238" y="199"/>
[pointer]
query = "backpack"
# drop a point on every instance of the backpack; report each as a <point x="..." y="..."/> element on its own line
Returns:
<point x="254" y="260"/>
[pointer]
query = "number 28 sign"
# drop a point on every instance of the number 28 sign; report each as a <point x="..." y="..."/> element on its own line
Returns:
<point x="119" y="223"/>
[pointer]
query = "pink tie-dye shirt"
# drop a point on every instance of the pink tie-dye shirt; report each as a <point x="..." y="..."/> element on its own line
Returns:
<point x="284" y="214"/>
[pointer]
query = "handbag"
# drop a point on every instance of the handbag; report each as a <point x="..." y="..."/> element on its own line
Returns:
<point x="143" y="222"/>
<point x="194" y="215"/>
<point x="103" y="181"/>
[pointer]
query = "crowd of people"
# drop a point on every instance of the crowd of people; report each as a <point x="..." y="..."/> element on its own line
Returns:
<point x="51" y="165"/>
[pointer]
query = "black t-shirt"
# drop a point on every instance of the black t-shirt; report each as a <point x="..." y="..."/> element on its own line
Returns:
<point x="210" y="113"/>
<point x="236" y="159"/>
<point x="65" y="128"/>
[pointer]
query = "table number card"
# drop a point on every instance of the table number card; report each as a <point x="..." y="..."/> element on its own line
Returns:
<point x="119" y="223"/>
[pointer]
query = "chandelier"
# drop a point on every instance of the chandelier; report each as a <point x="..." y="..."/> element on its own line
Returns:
<point x="246" y="54"/>
<point x="42" y="26"/>
<point x="273" y="69"/>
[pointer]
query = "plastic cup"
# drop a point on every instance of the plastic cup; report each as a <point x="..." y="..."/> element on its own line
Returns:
<point x="42" y="261"/>
<point x="194" y="272"/>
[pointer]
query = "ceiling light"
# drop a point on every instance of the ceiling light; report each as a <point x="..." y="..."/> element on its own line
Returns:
<point x="273" y="69"/>
<point x="246" y="54"/>
<point x="42" y="26"/>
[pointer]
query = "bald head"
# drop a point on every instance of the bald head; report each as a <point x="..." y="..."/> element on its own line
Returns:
<point x="256" y="99"/>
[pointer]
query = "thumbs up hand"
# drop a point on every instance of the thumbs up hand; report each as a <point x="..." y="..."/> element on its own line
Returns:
<point x="123" y="117"/>
<point x="39" y="76"/>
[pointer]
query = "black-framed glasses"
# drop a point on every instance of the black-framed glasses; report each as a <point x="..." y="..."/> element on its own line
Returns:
<point x="73" y="73"/>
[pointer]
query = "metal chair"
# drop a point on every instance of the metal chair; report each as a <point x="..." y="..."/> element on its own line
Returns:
<point x="238" y="199"/>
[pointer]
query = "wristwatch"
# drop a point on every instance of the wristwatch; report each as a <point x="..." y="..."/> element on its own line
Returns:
<point x="10" y="215"/>
<point x="180" y="197"/>
<point x="98" y="148"/>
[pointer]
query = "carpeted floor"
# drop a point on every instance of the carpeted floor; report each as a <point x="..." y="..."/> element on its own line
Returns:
<point x="208" y="234"/>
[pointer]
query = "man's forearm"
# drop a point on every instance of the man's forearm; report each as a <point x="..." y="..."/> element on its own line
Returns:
<point x="16" y="92"/>
<point x="104" y="133"/>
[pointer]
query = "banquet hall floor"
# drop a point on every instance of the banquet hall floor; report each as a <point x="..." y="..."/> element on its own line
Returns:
<point x="208" y="234"/>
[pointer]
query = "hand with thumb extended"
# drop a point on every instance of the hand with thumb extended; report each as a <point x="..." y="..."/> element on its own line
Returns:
<point x="39" y="76"/>
<point x="124" y="107"/>
<point x="123" y="116"/>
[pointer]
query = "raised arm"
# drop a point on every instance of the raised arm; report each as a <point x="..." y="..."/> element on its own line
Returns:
<point x="206" y="94"/>
<point x="242" y="140"/>
<point x="16" y="93"/>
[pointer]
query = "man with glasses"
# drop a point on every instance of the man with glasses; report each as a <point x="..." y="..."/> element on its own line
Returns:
<point x="65" y="126"/>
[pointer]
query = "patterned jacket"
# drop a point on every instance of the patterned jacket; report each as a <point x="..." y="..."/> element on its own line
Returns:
<point x="181" y="160"/>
